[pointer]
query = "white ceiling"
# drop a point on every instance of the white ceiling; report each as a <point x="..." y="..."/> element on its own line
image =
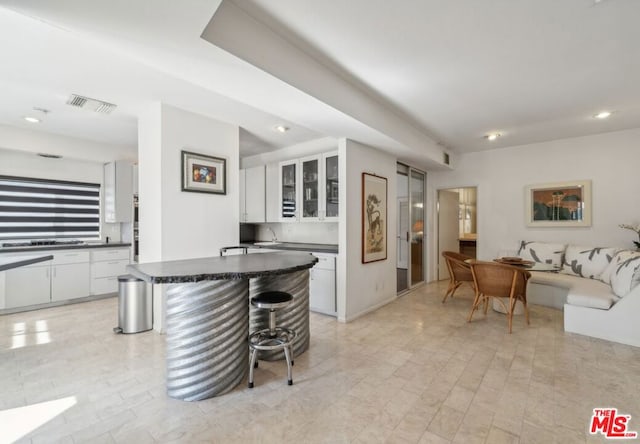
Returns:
<point x="453" y="71"/>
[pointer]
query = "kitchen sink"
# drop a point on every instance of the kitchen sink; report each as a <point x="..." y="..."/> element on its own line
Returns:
<point x="259" y="244"/>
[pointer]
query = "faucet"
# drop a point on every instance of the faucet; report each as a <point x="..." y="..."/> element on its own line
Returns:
<point x="275" y="238"/>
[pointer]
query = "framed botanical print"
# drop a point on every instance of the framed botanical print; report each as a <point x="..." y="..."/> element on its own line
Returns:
<point x="374" y="218"/>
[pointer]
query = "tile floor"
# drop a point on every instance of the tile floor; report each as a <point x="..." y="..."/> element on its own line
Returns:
<point x="413" y="371"/>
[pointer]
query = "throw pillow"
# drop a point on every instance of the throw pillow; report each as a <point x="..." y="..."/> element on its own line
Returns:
<point x="587" y="262"/>
<point x="625" y="276"/>
<point x="542" y="252"/>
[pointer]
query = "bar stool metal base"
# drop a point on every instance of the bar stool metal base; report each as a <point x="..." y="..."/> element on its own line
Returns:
<point x="267" y="339"/>
<point x="272" y="338"/>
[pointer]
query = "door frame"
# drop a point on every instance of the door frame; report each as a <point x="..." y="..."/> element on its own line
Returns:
<point x="402" y="168"/>
<point x="437" y="222"/>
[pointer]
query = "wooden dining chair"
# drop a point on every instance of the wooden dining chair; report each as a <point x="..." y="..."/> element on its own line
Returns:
<point x="459" y="271"/>
<point x="493" y="280"/>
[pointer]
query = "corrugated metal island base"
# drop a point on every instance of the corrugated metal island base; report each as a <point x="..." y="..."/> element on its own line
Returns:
<point x="208" y="318"/>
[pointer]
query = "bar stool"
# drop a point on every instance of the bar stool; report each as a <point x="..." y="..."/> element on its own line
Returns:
<point x="272" y="338"/>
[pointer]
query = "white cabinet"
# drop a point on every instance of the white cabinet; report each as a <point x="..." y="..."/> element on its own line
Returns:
<point x="288" y="191"/>
<point x="308" y="189"/>
<point x="106" y="265"/>
<point x="69" y="281"/>
<point x="75" y="273"/>
<point x="252" y="194"/>
<point x="118" y="191"/>
<point x="322" y="285"/>
<point x="331" y="186"/>
<point x="30" y="285"/>
<point x="69" y="275"/>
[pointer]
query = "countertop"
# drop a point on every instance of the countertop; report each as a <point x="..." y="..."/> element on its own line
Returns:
<point x="62" y="247"/>
<point x="243" y="266"/>
<point x="296" y="246"/>
<point x="7" y="263"/>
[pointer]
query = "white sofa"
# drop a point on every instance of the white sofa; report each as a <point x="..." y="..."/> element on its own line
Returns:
<point x="598" y="300"/>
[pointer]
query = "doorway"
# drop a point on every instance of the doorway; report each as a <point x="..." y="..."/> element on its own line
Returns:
<point x="457" y="224"/>
<point x="410" y="206"/>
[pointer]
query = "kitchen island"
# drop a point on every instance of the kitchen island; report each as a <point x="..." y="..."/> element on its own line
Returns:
<point x="208" y="317"/>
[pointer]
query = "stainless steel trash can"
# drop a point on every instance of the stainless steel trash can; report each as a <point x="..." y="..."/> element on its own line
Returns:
<point x="135" y="307"/>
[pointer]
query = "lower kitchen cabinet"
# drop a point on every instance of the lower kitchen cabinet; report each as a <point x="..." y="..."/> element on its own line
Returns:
<point x="28" y="285"/>
<point x="70" y="281"/>
<point x="72" y="274"/>
<point x="106" y="266"/>
<point x="69" y="275"/>
<point x="322" y="285"/>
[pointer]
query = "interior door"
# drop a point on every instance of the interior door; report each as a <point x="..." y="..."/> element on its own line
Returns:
<point x="403" y="233"/>
<point x="448" y="227"/>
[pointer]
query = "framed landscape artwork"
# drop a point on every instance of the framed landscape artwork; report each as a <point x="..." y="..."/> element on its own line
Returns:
<point x="562" y="204"/>
<point x="203" y="174"/>
<point x="374" y="218"/>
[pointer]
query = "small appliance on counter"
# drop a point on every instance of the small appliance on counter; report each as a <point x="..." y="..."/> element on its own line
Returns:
<point x="247" y="233"/>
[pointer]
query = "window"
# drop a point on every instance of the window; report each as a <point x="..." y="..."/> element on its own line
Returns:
<point x="41" y="209"/>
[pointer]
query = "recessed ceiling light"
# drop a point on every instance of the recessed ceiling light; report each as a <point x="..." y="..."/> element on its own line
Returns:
<point x="603" y="114"/>
<point x="282" y="128"/>
<point x="37" y="115"/>
<point x="492" y="136"/>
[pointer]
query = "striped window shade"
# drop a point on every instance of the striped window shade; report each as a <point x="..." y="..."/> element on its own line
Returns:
<point x="47" y="209"/>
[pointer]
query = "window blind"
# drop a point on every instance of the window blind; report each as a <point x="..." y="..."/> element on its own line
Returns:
<point x="46" y="209"/>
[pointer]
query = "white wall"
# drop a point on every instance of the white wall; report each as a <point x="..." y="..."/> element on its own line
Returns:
<point x="363" y="287"/>
<point x="176" y="224"/>
<point x="609" y="160"/>
<point x="28" y="164"/>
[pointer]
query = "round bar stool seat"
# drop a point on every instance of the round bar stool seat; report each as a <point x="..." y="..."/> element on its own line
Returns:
<point x="272" y="338"/>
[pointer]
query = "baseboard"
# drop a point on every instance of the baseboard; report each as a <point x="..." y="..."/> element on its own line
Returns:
<point x="368" y="310"/>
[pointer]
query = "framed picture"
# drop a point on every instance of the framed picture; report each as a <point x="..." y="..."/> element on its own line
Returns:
<point x="374" y="218"/>
<point x="562" y="204"/>
<point x="203" y="174"/>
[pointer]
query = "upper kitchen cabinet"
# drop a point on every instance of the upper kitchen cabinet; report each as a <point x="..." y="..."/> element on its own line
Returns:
<point x="252" y="195"/>
<point x="118" y="191"/>
<point x="308" y="189"/>
<point x="288" y="191"/>
<point x="331" y="187"/>
<point x="310" y="195"/>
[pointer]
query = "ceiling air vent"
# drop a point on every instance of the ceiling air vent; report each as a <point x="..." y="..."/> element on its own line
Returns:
<point x="90" y="104"/>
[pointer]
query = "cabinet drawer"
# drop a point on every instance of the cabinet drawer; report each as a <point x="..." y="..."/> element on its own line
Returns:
<point x="109" y="268"/>
<point x="110" y="254"/>
<point x="325" y="261"/>
<point x="70" y="257"/>
<point x="104" y="285"/>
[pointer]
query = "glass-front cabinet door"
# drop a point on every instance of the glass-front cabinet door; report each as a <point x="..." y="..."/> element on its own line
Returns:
<point x="288" y="190"/>
<point x="331" y="196"/>
<point x="310" y="194"/>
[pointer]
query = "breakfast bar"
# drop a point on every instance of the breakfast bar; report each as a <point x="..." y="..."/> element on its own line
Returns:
<point x="208" y="317"/>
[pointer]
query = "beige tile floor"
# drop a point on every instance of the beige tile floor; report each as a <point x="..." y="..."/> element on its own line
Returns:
<point x="413" y="371"/>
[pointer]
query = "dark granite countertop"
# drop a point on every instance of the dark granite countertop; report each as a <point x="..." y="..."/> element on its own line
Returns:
<point x="29" y="249"/>
<point x="224" y="267"/>
<point x="7" y="263"/>
<point x="296" y="246"/>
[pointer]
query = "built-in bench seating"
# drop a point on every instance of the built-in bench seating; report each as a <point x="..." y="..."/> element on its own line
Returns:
<point x="597" y="288"/>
